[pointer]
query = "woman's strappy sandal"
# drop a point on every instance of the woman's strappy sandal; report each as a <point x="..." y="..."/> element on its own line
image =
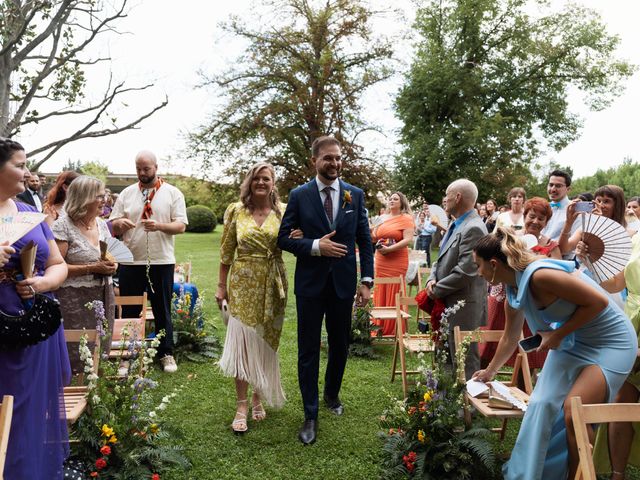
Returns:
<point x="258" y="413"/>
<point x="239" y="424"/>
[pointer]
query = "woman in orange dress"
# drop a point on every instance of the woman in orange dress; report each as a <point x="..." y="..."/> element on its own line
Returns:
<point x="392" y="239"/>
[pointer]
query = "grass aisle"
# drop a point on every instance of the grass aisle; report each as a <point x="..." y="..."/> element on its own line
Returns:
<point x="347" y="446"/>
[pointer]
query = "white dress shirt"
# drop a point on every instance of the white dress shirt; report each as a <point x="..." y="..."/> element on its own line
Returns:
<point x="36" y="200"/>
<point x="335" y="199"/>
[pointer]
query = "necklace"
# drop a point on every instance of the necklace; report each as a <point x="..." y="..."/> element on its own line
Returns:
<point x="88" y="227"/>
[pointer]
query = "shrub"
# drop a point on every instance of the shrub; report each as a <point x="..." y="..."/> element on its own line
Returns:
<point x="201" y="219"/>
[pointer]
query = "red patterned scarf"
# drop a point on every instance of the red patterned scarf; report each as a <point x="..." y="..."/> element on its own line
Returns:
<point x="147" y="197"/>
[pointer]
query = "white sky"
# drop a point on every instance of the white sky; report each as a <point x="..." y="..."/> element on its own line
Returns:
<point x="168" y="42"/>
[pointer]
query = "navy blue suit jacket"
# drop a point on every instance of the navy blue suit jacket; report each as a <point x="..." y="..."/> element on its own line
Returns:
<point x="306" y="212"/>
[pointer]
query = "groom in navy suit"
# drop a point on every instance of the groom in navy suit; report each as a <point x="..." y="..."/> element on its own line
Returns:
<point x="332" y="217"/>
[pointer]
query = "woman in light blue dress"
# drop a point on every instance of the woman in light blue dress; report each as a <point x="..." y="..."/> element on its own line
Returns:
<point x="592" y="347"/>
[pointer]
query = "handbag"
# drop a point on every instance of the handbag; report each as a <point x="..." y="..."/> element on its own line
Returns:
<point x="224" y="310"/>
<point x="37" y="324"/>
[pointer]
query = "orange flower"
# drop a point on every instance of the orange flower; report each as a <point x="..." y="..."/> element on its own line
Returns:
<point x="93" y="474"/>
<point x="105" y="450"/>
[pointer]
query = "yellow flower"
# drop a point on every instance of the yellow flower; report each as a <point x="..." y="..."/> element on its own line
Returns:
<point x="154" y="428"/>
<point x="421" y="437"/>
<point x="428" y="395"/>
<point x="113" y="439"/>
<point x="346" y="198"/>
<point x="107" y="431"/>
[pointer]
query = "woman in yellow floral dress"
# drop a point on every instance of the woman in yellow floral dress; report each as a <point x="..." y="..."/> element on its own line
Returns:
<point x="251" y="263"/>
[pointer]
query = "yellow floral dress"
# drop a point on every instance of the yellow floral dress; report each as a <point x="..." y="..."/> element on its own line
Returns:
<point x="257" y="300"/>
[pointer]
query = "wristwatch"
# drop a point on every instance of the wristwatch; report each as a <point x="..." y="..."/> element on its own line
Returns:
<point x="367" y="283"/>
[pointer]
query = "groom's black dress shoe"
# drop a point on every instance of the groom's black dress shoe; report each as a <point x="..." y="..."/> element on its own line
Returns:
<point x="335" y="405"/>
<point x="308" y="432"/>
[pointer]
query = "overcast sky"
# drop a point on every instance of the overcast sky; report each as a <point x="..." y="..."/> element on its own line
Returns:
<point x="168" y="42"/>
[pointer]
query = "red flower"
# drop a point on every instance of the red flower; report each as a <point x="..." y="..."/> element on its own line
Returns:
<point x="412" y="410"/>
<point x="155" y="476"/>
<point x="101" y="463"/>
<point x="106" y="450"/>
<point x="93" y="474"/>
<point x="409" y="461"/>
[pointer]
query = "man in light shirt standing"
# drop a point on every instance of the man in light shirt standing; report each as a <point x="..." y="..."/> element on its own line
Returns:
<point x="148" y="214"/>
<point x="558" y="189"/>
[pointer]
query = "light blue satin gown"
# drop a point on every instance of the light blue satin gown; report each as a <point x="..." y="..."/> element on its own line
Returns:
<point x="608" y="341"/>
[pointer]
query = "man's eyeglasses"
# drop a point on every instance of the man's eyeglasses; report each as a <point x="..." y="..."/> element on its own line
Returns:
<point x="557" y="185"/>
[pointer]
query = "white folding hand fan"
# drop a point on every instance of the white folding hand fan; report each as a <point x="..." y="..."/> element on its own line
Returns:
<point x="119" y="250"/>
<point x="14" y="227"/>
<point x="437" y="211"/>
<point x="609" y="246"/>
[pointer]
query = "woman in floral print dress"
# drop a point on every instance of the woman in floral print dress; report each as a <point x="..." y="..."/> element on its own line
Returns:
<point x="251" y="264"/>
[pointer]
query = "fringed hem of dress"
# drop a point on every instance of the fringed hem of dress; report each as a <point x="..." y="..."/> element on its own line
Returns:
<point x="249" y="357"/>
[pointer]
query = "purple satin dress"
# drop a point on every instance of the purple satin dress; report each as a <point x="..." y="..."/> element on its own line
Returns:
<point x="35" y="376"/>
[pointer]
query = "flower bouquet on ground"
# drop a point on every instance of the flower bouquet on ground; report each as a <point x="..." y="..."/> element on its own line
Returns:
<point x="122" y="434"/>
<point x="191" y="339"/>
<point x="424" y="435"/>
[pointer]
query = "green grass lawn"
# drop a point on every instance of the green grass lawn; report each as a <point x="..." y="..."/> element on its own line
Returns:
<point x="347" y="446"/>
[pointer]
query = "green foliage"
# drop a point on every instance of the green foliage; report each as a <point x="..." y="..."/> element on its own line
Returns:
<point x="121" y="427"/>
<point x="302" y="75"/>
<point x="191" y="341"/>
<point x="95" y="169"/>
<point x="361" y="329"/>
<point x="201" y="219"/>
<point x="626" y="176"/>
<point x="216" y="196"/>
<point x="488" y="87"/>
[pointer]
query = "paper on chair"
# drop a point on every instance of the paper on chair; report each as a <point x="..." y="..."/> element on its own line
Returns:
<point x="475" y="388"/>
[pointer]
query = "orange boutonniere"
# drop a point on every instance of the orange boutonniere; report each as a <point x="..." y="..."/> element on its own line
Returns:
<point x="346" y="198"/>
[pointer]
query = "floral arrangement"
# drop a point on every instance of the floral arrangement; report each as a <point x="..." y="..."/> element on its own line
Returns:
<point x="424" y="435"/>
<point x="346" y="198"/>
<point x="361" y="328"/>
<point x="122" y="434"/>
<point x="191" y="339"/>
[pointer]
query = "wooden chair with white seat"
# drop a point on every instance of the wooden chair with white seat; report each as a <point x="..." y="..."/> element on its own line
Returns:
<point x="6" y="414"/>
<point x="388" y="313"/>
<point x="75" y="401"/>
<point x="413" y="343"/>
<point x="583" y="415"/>
<point x="481" y="403"/>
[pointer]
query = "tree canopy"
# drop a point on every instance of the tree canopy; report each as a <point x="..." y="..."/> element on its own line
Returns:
<point x="626" y="176"/>
<point x="302" y="76"/>
<point x="43" y="57"/>
<point x="487" y="90"/>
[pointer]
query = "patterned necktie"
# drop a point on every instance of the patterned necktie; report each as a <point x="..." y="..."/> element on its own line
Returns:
<point x="328" y="203"/>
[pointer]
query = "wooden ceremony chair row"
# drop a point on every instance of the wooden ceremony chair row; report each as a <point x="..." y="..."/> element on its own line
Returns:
<point x="6" y="414"/>
<point x="583" y="415"/>
<point x="135" y="326"/>
<point x="481" y="403"/>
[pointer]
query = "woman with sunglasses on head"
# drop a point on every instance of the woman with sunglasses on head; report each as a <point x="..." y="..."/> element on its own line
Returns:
<point x="591" y="344"/>
<point x="34" y="375"/>
<point x="78" y="235"/>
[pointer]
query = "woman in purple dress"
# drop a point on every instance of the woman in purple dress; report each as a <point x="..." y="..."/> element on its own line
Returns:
<point x="35" y="375"/>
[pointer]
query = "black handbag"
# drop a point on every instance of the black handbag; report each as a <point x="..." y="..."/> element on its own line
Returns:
<point x="37" y="324"/>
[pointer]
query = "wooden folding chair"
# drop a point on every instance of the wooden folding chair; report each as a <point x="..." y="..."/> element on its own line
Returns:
<point x="481" y="403"/>
<point x="388" y="313"/>
<point x="583" y="415"/>
<point x="75" y="398"/>
<point x="415" y="343"/>
<point x="6" y="413"/>
<point x="132" y="300"/>
<point x="423" y="273"/>
<point x="136" y="333"/>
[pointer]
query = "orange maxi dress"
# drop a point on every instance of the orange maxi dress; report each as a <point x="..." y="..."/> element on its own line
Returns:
<point x="393" y="264"/>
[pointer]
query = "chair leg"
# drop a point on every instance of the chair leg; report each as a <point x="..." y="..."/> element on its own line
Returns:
<point x="467" y="412"/>
<point x="403" y="367"/>
<point x="503" y="430"/>
<point x="395" y="361"/>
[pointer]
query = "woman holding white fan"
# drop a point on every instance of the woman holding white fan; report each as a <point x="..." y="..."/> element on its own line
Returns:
<point x="78" y="235"/>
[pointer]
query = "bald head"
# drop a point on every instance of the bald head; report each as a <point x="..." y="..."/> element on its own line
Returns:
<point x="461" y="196"/>
<point x="146" y="167"/>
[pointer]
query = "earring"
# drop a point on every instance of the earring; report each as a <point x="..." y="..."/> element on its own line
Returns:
<point x="493" y="277"/>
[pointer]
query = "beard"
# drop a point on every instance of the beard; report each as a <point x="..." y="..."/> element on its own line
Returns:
<point x="146" y="180"/>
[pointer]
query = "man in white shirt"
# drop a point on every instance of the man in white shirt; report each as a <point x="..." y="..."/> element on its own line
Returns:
<point x="148" y="214"/>
<point x="31" y="194"/>
<point x="558" y="188"/>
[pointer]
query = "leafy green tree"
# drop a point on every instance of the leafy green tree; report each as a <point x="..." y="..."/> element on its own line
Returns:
<point x="301" y="76"/>
<point x="43" y="45"/>
<point x="216" y="196"/>
<point x="95" y="169"/>
<point x="626" y="176"/>
<point x="488" y="86"/>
